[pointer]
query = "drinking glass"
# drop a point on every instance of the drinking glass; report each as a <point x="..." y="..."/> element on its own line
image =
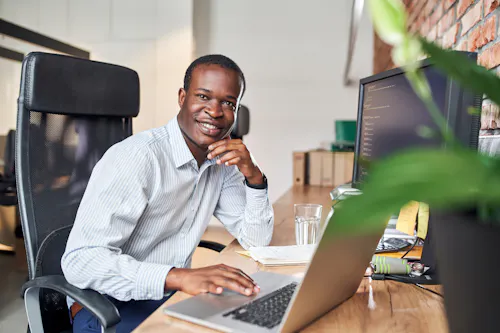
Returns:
<point x="307" y="223"/>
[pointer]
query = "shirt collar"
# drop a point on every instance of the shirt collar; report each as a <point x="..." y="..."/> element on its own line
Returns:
<point x="180" y="150"/>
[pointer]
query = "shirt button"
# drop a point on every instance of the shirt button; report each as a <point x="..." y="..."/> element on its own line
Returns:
<point x="149" y="295"/>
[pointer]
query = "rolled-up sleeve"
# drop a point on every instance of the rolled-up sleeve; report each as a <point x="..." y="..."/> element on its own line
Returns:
<point x="115" y="199"/>
<point x="245" y="212"/>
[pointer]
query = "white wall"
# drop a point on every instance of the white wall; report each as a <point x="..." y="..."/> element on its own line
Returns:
<point x="153" y="37"/>
<point x="293" y="55"/>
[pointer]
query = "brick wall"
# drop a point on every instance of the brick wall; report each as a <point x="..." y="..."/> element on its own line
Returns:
<point x="468" y="25"/>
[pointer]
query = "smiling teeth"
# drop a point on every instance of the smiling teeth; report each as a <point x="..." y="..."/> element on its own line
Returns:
<point x="209" y="126"/>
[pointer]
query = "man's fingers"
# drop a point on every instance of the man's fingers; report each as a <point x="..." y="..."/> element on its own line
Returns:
<point x="237" y="271"/>
<point x="218" y="143"/>
<point x="244" y="281"/>
<point x="240" y="272"/>
<point x="225" y="145"/>
<point x="237" y="275"/>
<point x="223" y="141"/>
<point x="233" y="284"/>
<point x="233" y="161"/>
<point x="209" y="287"/>
<point x="222" y="149"/>
<point x="218" y="147"/>
<point x="227" y="157"/>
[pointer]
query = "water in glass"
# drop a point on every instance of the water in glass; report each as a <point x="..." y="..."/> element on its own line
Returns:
<point x="306" y="229"/>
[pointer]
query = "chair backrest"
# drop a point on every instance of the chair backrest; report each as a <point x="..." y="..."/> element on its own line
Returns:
<point x="242" y="125"/>
<point x="70" y="112"/>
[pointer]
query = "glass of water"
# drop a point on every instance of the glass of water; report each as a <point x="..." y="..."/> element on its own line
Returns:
<point x="307" y="223"/>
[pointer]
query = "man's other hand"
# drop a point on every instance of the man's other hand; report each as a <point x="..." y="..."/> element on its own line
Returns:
<point x="235" y="152"/>
<point x="211" y="279"/>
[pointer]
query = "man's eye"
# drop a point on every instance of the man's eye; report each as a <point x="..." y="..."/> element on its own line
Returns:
<point x="202" y="96"/>
<point x="228" y="103"/>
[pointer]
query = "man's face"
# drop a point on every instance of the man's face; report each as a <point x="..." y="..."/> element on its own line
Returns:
<point x="208" y="106"/>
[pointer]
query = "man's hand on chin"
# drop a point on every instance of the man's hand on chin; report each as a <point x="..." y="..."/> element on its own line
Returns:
<point x="211" y="279"/>
<point x="236" y="153"/>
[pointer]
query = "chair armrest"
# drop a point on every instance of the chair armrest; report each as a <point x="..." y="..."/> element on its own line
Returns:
<point x="100" y="306"/>
<point x="212" y="245"/>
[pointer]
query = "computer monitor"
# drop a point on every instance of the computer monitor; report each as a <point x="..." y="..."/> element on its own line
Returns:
<point x="390" y="112"/>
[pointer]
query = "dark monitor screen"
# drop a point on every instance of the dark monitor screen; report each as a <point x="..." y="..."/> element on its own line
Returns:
<point x="390" y="114"/>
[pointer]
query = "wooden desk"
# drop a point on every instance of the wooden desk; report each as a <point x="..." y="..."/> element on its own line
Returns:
<point x="378" y="306"/>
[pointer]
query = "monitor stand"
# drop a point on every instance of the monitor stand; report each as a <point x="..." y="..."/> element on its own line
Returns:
<point x="428" y="257"/>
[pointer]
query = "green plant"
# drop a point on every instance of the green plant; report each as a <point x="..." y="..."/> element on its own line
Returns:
<point x="454" y="178"/>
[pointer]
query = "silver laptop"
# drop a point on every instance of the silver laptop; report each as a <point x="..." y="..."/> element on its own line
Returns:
<point x="286" y="303"/>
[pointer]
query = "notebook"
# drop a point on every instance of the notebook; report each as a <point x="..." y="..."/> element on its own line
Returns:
<point x="282" y="255"/>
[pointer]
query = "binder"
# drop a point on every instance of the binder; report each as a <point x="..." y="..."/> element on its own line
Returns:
<point x="299" y="168"/>
<point x="315" y="167"/>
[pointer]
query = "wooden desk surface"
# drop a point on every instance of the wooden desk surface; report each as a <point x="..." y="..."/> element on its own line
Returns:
<point x="378" y="306"/>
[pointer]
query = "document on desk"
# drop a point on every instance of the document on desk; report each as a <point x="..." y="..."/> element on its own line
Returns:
<point x="283" y="255"/>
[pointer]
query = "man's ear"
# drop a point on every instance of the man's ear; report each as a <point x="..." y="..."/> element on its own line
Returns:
<point x="181" y="97"/>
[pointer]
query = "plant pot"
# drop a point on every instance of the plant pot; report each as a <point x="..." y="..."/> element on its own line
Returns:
<point x="466" y="251"/>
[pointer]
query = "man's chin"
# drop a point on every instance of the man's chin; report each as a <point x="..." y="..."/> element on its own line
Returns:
<point x="206" y="140"/>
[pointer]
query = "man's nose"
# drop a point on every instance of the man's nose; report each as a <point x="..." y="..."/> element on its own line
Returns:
<point x="214" y="109"/>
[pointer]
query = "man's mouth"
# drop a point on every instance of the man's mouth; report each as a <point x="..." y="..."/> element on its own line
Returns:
<point x="209" y="129"/>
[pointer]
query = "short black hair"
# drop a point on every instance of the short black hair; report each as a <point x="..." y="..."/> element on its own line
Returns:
<point x="213" y="59"/>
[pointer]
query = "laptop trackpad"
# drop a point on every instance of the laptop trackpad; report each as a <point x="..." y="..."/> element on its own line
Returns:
<point x="206" y="305"/>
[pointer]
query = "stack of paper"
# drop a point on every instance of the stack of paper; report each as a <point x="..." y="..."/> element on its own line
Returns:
<point x="283" y="255"/>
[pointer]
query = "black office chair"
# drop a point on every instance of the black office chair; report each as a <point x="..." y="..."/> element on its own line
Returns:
<point x="242" y="125"/>
<point x="70" y="112"/>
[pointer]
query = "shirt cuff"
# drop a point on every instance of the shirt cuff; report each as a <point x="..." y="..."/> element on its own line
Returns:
<point x="258" y="186"/>
<point x="257" y="199"/>
<point x="150" y="283"/>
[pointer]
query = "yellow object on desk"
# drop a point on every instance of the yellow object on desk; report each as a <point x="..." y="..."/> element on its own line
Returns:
<point x="423" y="220"/>
<point x="244" y="253"/>
<point x="414" y="254"/>
<point x="407" y="218"/>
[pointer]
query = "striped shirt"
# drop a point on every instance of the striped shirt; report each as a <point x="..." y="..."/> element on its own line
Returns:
<point x="145" y="210"/>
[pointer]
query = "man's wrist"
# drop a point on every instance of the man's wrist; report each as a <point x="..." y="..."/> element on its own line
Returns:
<point x="259" y="184"/>
<point x="256" y="179"/>
<point x="174" y="279"/>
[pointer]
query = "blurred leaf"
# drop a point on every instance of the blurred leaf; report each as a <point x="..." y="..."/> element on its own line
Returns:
<point x="473" y="111"/>
<point x="464" y="70"/>
<point x="362" y="161"/>
<point x="407" y="53"/>
<point x="389" y="20"/>
<point x="421" y="87"/>
<point x="454" y="178"/>
<point x="426" y="132"/>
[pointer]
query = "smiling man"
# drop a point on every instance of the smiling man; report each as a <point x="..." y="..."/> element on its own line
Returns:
<point x="150" y="199"/>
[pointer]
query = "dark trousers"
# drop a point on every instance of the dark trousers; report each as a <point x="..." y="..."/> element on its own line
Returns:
<point x="133" y="313"/>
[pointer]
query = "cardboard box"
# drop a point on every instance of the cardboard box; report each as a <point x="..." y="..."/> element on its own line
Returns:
<point x="300" y="168"/>
<point x="322" y="168"/>
<point x="343" y="167"/>
<point x="315" y="167"/>
<point x="327" y="168"/>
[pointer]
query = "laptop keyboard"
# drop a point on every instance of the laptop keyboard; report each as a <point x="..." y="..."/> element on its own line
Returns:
<point x="267" y="311"/>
